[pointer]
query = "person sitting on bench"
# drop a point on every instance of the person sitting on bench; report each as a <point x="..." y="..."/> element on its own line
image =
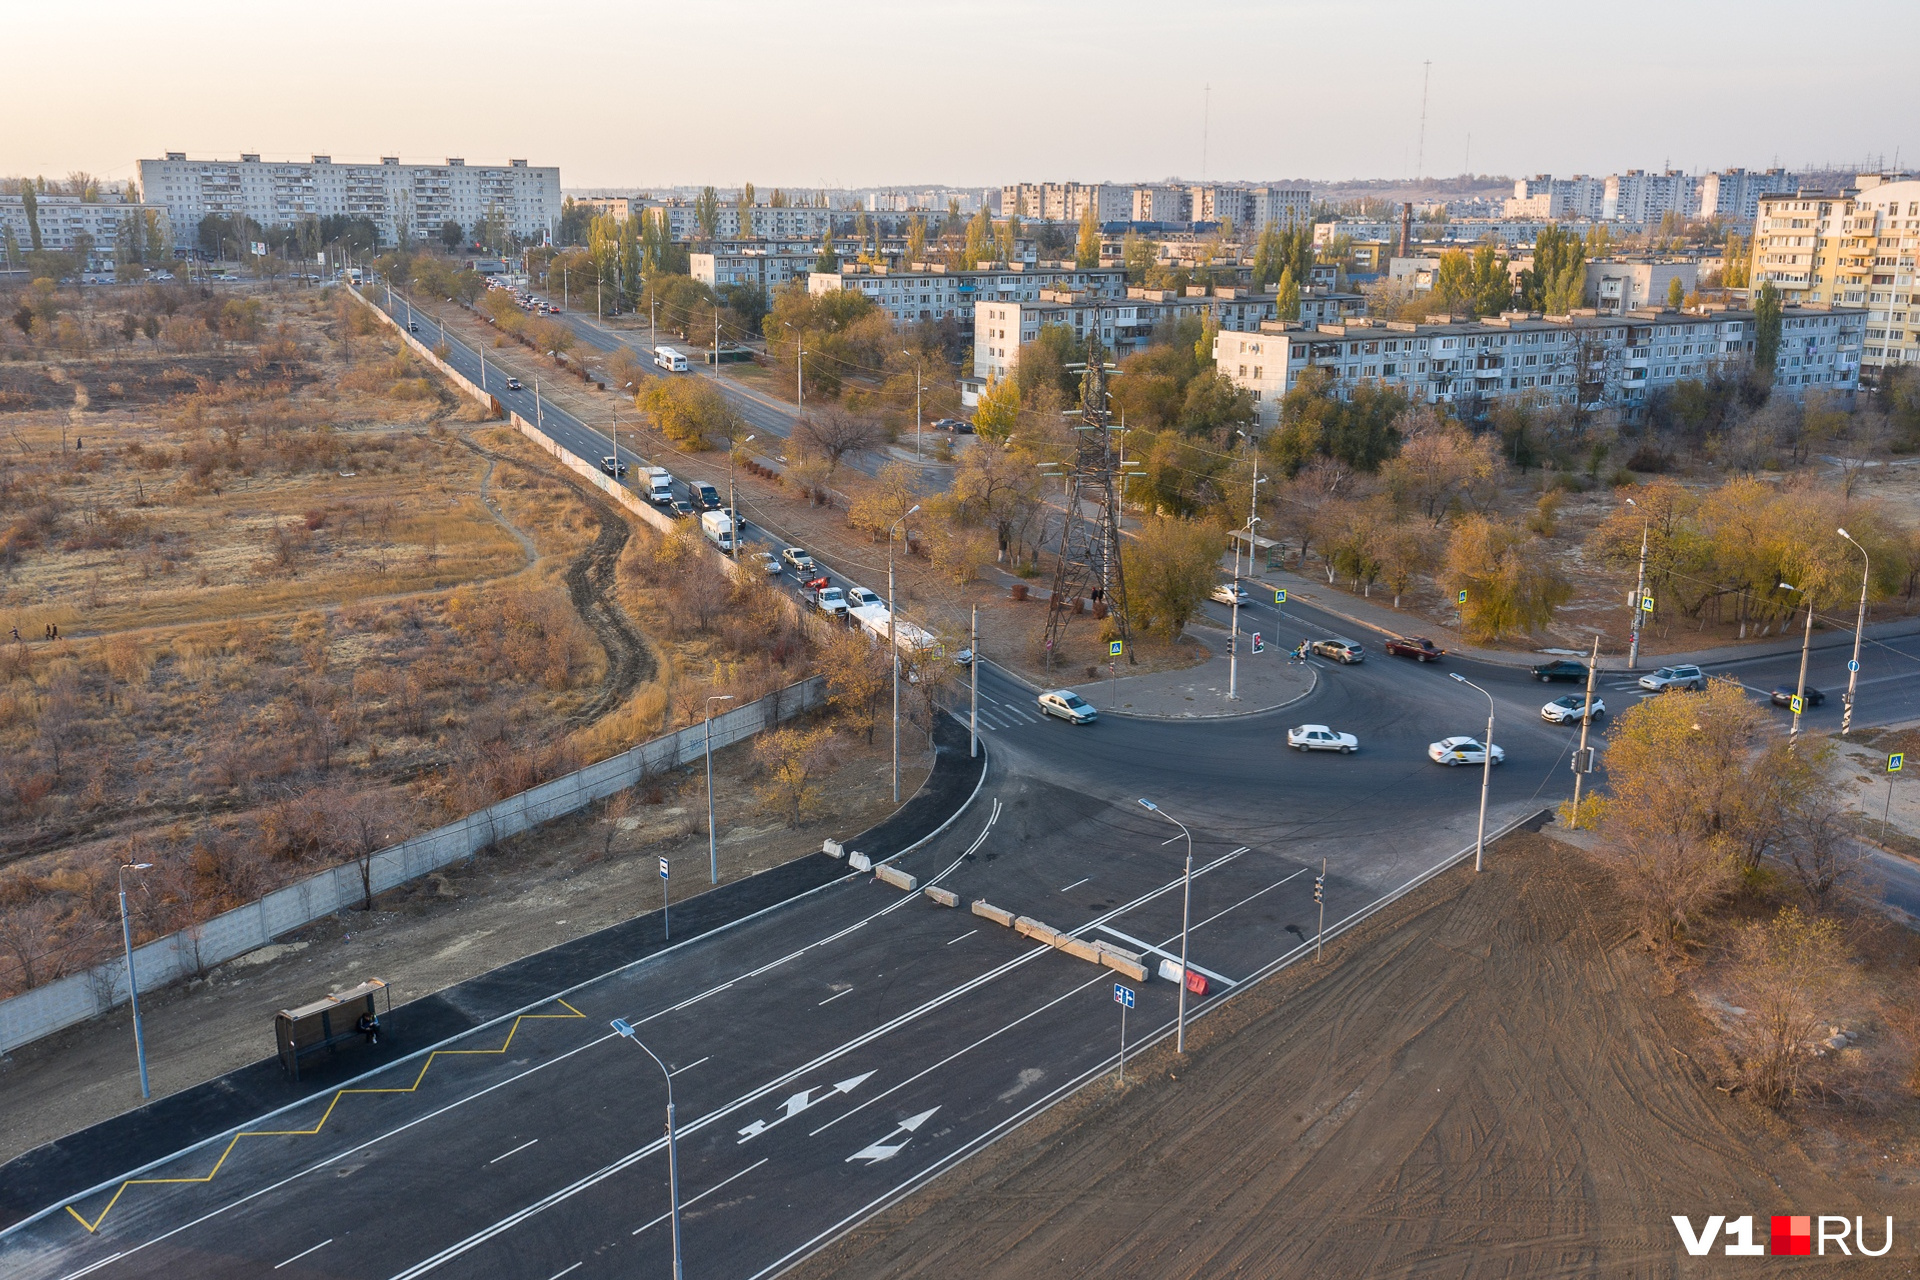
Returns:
<point x="369" y="1026"/>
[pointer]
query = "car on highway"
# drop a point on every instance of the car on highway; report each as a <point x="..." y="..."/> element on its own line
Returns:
<point x="860" y="596"/>
<point x="708" y="495"/>
<point x="1570" y="709"/>
<point x="1317" y="737"/>
<point x="513" y="384"/>
<point x="1560" y="669"/>
<point x="1783" y="696"/>
<point x="1231" y="593"/>
<point x="613" y="466"/>
<point x="1462" y="751"/>
<point x="412" y="327"/>
<point x="1419" y="648"/>
<point x="768" y="564"/>
<point x="1069" y="706"/>
<point x="1673" y="678"/>
<point x="796" y="559"/>
<point x="681" y="507"/>
<point x="964" y="658"/>
<point x="1340" y="650"/>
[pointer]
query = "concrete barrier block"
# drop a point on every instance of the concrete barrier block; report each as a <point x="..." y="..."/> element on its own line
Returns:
<point x="1034" y="929"/>
<point x="1118" y="962"/>
<point x="897" y="878"/>
<point x="986" y="910"/>
<point x="1078" y="947"/>
<point x="1131" y="957"/>
<point x="945" y="897"/>
<point x="833" y="848"/>
<point x="859" y="861"/>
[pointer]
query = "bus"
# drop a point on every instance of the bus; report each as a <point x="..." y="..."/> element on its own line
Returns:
<point x="669" y="359"/>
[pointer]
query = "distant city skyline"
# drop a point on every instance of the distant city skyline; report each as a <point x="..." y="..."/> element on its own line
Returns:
<point x="852" y="93"/>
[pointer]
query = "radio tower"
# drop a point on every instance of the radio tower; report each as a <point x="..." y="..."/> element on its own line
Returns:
<point x="1090" y="542"/>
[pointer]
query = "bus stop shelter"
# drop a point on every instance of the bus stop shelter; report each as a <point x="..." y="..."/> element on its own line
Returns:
<point x="327" y="1022"/>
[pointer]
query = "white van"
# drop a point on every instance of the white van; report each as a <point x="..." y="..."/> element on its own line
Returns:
<point x="669" y="359"/>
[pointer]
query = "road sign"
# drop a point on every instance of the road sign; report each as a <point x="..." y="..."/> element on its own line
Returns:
<point x="1115" y="648"/>
<point x="1259" y="645"/>
<point x="1463" y="597"/>
<point x="1895" y="761"/>
<point x="1279" y="595"/>
<point x="1123" y="994"/>
<point x="663" y="868"/>
<point x="1853" y="664"/>
<point x="1646" y="604"/>
<point x="1796" y="703"/>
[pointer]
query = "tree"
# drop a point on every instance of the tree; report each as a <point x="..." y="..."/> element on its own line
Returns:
<point x="1170" y="566"/>
<point x="1512" y="586"/>
<point x="1087" y="252"/>
<point x="881" y="504"/>
<point x="1437" y="463"/>
<point x="792" y="758"/>
<point x="1286" y="302"/>
<point x="858" y="674"/>
<point x="30" y="206"/>
<point x="1738" y="256"/>
<point x="1790" y="971"/>
<point x="1453" y="282"/>
<point x="1492" y="284"/>
<point x="689" y="411"/>
<point x="834" y="434"/>
<point x="979" y="247"/>
<point x="917" y="238"/>
<point x="452" y="235"/>
<point x="828" y="259"/>
<point x="998" y="411"/>
<point x="1766" y="329"/>
<point x="1557" y="279"/>
<point x="1676" y="293"/>
<point x="706" y="213"/>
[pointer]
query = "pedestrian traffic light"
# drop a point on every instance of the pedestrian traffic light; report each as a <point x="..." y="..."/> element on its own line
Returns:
<point x="1259" y="645"/>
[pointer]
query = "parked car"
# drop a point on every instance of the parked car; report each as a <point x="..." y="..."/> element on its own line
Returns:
<point x="1673" y="678"/>
<point x="613" y="466"/>
<point x="1563" y="669"/>
<point x="797" y="560"/>
<point x="1317" y="737"/>
<point x="1069" y="706"/>
<point x="1418" y="648"/>
<point x="860" y="596"/>
<point x="1570" y="709"/>
<point x="1783" y="696"/>
<point x="1340" y="650"/>
<point x="1462" y="751"/>
<point x="513" y="384"/>
<point x="955" y="425"/>
<point x="1231" y="593"/>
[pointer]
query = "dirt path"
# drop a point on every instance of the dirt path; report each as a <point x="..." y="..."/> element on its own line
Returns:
<point x="1486" y="1082"/>
<point x="591" y="580"/>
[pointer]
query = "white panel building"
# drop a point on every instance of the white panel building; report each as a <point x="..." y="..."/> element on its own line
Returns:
<point x="64" y="220"/>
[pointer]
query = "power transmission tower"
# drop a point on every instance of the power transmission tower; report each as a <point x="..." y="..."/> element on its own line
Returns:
<point x="1090" y="542"/>
<point x="1420" y="156"/>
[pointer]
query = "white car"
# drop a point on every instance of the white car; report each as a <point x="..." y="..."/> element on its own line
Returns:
<point x="768" y="564"/>
<point x="1069" y="706"/>
<point x="1570" y="708"/>
<point x="1231" y="593"/>
<point x="1674" y="678"/>
<point x="1462" y="751"/>
<point x="859" y="597"/>
<point x="1317" y="737"/>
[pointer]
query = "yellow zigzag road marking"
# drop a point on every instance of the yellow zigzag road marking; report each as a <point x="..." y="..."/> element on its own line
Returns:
<point x="94" y="1226"/>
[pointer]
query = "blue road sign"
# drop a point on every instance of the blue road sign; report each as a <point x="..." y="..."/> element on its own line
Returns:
<point x="1279" y="595"/>
<point x="1853" y="664"/>
<point x="1896" y="761"/>
<point x="1123" y="995"/>
<point x="1115" y="648"/>
<point x="1463" y="597"/>
<point x="663" y="868"/>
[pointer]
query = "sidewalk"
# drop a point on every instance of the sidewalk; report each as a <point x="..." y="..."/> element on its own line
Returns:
<point x="1267" y="682"/>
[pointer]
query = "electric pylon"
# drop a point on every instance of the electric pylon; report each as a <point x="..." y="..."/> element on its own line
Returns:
<point x="1089" y="566"/>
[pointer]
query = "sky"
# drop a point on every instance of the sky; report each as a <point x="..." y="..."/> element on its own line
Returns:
<point x="843" y="93"/>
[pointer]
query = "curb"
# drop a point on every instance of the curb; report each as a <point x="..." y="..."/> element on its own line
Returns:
<point x="1313" y="684"/>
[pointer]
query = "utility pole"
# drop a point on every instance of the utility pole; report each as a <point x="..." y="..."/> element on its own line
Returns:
<point x="1320" y="900"/>
<point x="733" y="512"/>
<point x="1090" y="548"/>
<point x="133" y="986"/>
<point x="1586" y="718"/>
<point x="973" y="672"/>
<point x="673" y="1145"/>
<point x="653" y="322"/>
<point x="1639" y="592"/>
<point x="1806" y="643"/>
<point x="1233" y="643"/>
<point x="893" y="643"/>
<point x="1486" y="771"/>
<point x="1859" y="623"/>
<point x="1186" y="914"/>
<point x="713" y="840"/>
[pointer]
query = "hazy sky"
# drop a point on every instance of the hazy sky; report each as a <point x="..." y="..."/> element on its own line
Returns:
<point x="854" y="92"/>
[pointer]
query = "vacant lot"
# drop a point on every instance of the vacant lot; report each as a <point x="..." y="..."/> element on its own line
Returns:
<point x="1487" y="1081"/>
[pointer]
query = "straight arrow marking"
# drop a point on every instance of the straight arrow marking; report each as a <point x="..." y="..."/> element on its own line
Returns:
<point x="800" y="1102"/>
<point x="882" y="1151"/>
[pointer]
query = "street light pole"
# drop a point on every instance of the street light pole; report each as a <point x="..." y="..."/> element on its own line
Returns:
<point x="622" y="1026"/>
<point x="1486" y="771"/>
<point x="1639" y="592"/>
<point x="1859" y="623"/>
<point x="733" y="512"/>
<point x="1586" y="719"/>
<point x="1806" y="643"/>
<point x="893" y="643"/>
<point x="973" y="674"/>
<point x="133" y="986"/>
<point x="1186" y="914"/>
<point x="916" y="403"/>
<point x="713" y="845"/>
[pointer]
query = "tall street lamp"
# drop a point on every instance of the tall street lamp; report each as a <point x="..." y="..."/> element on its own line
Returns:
<point x="1186" y="909"/>
<point x="733" y="512"/>
<point x="625" y="1028"/>
<point x="1859" y="622"/>
<point x="799" y="367"/>
<point x="713" y="844"/>
<point x="916" y="401"/>
<point x="1486" y="769"/>
<point x="133" y="987"/>
<point x="893" y="643"/>
<point x="1639" y="590"/>
<point x="1806" y="642"/>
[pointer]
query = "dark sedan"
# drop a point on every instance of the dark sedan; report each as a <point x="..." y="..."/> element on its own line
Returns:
<point x="1783" y="696"/>
<point x="1564" y="669"/>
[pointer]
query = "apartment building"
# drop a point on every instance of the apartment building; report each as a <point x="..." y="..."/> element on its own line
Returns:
<point x="1733" y="195"/>
<point x="1618" y="285"/>
<point x="930" y="291"/>
<point x="68" y="222"/>
<point x="1251" y="209"/>
<point x="1067" y="201"/>
<point x="761" y="268"/>
<point x="1611" y="363"/>
<point x="410" y="199"/>
<point x="1457" y="233"/>
<point x="785" y="223"/>
<point x="1639" y="196"/>
<point x="1545" y="196"/>
<point x="1856" y="248"/>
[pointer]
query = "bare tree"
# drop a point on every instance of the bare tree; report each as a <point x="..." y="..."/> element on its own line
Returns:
<point x="1818" y="845"/>
<point x="1790" y="970"/>
<point x="364" y="822"/>
<point x="27" y="936"/>
<point x="837" y="435"/>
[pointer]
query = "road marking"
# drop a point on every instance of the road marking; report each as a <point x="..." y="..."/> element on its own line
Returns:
<point x="963" y="937"/>
<point x="836" y="995"/>
<point x="1168" y="955"/>
<point x="303" y="1253"/>
<point x="702" y="996"/>
<point x="876" y="1152"/>
<point x="575" y="1267"/>
<point x="522" y="1147"/>
<point x="1077" y="883"/>
<point x="92" y="1267"/>
<point x="690" y="1066"/>
<point x="704" y="1194"/>
<point x="799" y="1102"/>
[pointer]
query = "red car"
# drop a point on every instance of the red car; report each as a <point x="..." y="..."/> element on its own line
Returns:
<point x="1418" y="648"/>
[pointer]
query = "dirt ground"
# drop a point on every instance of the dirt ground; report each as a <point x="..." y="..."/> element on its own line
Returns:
<point x="1487" y="1080"/>
<point x="540" y="889"/>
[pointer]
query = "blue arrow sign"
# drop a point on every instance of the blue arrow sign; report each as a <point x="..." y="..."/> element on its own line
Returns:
<point x="1123" y="995"/>
<point x="1853" y="664"/>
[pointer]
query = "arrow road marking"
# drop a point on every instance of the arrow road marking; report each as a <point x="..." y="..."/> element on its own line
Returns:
<point x="881" y="1150"/>
<point x="801" y="1102"/>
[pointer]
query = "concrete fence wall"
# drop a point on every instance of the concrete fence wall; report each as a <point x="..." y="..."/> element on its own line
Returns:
<point x="80" y="996"/>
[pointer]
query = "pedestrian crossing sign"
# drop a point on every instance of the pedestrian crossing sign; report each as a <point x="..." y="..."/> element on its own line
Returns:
<point x="1115" y="648"/>
<point x="1796" y="703"/>
<point x="1279" y="595"/>
<point x="1646" y="604"/>
<point x="1463" y="597"/>
<point x="1895" y="761"/>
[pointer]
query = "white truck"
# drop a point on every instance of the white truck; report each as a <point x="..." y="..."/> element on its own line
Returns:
<point x="912" y="640"/>
<point x="831" y="601"/>
<point x="670" y="359"/>
<point x="659" y="485"/>
<point x="718" y="526"/>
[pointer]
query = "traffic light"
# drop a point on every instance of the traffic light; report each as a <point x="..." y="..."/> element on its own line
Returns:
<point x="1319" y="887"/>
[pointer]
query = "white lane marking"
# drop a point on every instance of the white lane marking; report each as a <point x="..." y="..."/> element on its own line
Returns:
<point x="303" y="1253"/>
<point x="963" y="937"/>
<point x="517" y="1150"/>
<point x="690" y="1066"/>
<point x="575" y="1267"/>
<point x="1167" y="955"/>
<point x="702" y="996"/>
<point x="1077" y="883"/>
<point x="836" y="995"/>
<point x="704" y="1194"/>
<point x="802" y="1102"/>
<point x="92" y="1267"/>
<point x="875" y="1152"/>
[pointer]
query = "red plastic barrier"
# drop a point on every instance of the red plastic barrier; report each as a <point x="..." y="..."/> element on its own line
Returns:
<point x="1196" y="982"/>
